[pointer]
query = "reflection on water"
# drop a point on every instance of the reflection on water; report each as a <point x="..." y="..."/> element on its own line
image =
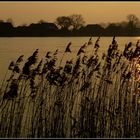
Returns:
<point x="138" y="37"/>
<point x="12" y="48"/>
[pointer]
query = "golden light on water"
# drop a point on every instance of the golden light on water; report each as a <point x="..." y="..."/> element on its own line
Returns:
<point x="138" y="38"/>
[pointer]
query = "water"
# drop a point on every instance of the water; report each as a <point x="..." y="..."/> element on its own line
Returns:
<point x="12" y="48"/>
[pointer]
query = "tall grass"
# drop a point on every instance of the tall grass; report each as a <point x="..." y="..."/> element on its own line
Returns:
<point x="89" y="97"/>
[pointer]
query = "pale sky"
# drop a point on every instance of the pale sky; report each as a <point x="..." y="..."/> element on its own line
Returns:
<point x="92" y="12"/>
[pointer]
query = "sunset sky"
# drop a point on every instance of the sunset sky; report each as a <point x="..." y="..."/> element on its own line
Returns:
<point x="92" y="12"/>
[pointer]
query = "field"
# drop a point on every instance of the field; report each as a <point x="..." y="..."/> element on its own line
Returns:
<point x="88" y="97"/>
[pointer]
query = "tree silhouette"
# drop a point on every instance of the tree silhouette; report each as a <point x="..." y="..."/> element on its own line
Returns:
<point x="133" y="22"/>
<point x="130" y="27"/>
<point x="64" y="22"/>
<point x="77" y="21"/>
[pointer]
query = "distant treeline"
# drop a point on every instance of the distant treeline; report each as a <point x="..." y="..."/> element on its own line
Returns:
<point x="73" y="25"/>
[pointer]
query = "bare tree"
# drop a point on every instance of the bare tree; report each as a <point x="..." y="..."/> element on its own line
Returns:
<point x="64" y="22"/>
<point x="70" y="22"/>
<point x="77" y="21"/>
<point x="133" y="21"/>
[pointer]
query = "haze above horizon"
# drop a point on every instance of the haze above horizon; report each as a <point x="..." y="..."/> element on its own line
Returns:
<point x="92" y="12"/>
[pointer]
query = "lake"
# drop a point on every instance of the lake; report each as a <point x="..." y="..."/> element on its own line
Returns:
<point x="11" y="48"/>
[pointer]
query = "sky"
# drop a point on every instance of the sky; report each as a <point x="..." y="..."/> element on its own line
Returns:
<point x="93" y="12"/>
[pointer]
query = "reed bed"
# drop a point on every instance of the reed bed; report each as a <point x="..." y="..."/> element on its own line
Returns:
<point x="91" y="96"/>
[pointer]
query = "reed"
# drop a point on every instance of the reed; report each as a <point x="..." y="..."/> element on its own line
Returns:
<point x="88" y="97"/>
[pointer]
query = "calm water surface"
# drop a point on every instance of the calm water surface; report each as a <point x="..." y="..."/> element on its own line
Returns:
<point x="12" y="48"/>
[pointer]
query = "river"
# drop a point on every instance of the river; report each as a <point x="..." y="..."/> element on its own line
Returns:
<point x="12" y="47"/>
